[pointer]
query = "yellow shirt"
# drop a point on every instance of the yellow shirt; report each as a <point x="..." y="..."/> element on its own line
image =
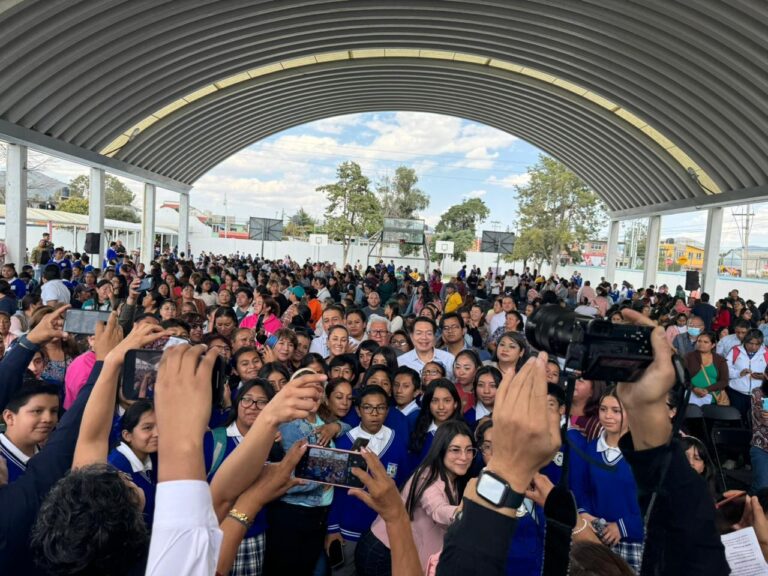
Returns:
<point x="453" y="303"/>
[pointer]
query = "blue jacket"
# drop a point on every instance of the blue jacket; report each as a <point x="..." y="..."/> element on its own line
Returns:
<point x="349" y="515"/>
<point x="147" y="481"/>
<point x="609" y="494"/>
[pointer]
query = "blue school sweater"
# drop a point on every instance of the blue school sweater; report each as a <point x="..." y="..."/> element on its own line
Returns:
<point x="411" y="417"/>
<point x="609" y="494"/>
<point x="259" y="525"/>
<point x="147" y="481"/>
<point x="16" y="466"/>
<point x="348" y="514"/>
<point x="395" y="420"/>
<point x="471" y="417"/>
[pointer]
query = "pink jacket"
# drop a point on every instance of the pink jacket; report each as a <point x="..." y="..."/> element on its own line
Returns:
<point x="270" y="325"/>
<point x="77" y="376"/>
<point x="430" y="521"/>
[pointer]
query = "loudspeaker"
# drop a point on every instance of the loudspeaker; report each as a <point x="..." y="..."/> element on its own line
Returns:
<point x="92" y="243"/>
<point x="692" y="280"/>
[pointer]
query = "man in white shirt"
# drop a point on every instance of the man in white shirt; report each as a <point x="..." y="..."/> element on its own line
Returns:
<point x="746" y="370"/>
<point x="423" y="337"/>
<point x="725" y="345"/>
<point x="379" y="329"/>
<point x="497" y="321"/>
<point x="321" y="285"/>
<point x="54" y="292"/>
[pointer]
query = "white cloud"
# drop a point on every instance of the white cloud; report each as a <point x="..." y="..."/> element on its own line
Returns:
<point x="510" y="181"/>
<point x="475" y="194"/>
<point x="337" y="124"/>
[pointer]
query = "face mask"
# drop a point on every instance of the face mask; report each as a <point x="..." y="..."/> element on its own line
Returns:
<point x="694" y="331"/>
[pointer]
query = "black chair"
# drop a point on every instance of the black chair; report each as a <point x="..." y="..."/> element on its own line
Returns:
<point x="722" y="414"/>
<point x="733" y="442"/>
<point x="694" y="423"/>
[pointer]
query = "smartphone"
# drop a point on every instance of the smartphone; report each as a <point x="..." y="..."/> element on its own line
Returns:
<point x="336" y="554"/>
<point x="83" y="321"/>
<point x="360" y="443"/>
<point x="331" y="466"/>
<point x="730" y="498"/>
<point x="146" y="284"/>
<point x="140" y="375"/>
<point x="765" y="404"/>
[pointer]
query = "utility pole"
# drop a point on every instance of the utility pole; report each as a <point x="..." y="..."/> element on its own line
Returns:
<point x="744" y="228"/>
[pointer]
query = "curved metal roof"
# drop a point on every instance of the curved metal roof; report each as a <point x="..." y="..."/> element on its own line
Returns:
<point x="629" y="95"/>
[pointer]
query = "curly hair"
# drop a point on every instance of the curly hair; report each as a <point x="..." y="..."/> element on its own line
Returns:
<point x="90" y="524"/>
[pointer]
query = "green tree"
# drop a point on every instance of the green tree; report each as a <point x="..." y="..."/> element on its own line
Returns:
<point x="400" y="198"/>
<point x="353" y="209"/>
<point x="557" y="211"/>
<point x="459" y="224"/>
<point x="74" y="205"/>
<point x="118" y="197"/>
<point x="300" y="225"/>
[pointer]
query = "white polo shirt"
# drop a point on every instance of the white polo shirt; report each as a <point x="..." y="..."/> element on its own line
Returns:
<point x="412" y="360"/>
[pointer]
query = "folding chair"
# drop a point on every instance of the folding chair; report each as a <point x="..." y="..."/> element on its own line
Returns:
<point x="731" y="441"/>
<point x="694" y="422"/>
<point x="719" y="417"/>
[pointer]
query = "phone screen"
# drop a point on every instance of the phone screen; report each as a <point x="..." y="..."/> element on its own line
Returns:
<point x="140" y="375"/>
<point x="331" y="466"/>
<point x="146" y="284"/>
<point x="83" y="321"/>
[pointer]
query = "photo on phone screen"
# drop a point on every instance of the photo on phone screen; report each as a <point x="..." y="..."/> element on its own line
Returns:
<point x="83" y="321"/>
<point x="140" y="373"/>
<point x="331" y="466"/>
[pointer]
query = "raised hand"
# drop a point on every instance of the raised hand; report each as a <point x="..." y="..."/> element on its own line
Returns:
<point x="50" y="327"/>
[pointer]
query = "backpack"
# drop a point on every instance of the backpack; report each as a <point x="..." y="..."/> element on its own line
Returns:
<point x="219" y="450"/>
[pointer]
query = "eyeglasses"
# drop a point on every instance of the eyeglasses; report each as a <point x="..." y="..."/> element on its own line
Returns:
<point x="486" y="448"/>
<point x="379" y="409"/>
<point x="457" y="451"/>
<point x="431" y="373"/>
<point x="222" y="347"/>
<point x="451" y="328"/>
<point x="398" y="343"/>
<point x="377" y="332"/>
<point x="247" y="402"/>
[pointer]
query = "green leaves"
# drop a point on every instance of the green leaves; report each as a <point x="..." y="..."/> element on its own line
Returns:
<point x="458" y="224"/>
<point x="557" y="211"/>
<point x="353" y="209"/>
<point x="118" y="197"/>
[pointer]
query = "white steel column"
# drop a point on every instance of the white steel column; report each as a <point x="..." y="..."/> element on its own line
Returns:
<point x="712" y="249"/>
<point x="148" y="226"/>
<point x="613" y="250"/>
<point x="183" y="237"/>
<point x="651" y="264"/>
<point x="16" y="204"/>
<point x="96" y="210"/>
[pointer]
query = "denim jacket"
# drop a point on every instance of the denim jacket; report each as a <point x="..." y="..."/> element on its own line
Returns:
<point x="312" y="493"/>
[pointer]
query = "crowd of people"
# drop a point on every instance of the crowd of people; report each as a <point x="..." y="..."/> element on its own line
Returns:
<point x="433" y="381"/>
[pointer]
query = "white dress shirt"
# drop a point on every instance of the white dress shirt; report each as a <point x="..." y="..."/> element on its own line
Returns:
<point x="412" y="360"/>
<point x="610" y="453"/>
<point x="408" y="408"/>
<point x="186" y="538"/>
<point x="378" y="442"/>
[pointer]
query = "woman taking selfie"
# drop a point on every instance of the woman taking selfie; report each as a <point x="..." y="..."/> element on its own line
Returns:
<point x="431" y="496"/>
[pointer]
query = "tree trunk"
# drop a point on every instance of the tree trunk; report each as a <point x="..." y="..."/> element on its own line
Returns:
<point x="554" y="261"/>
<point x="346" y="250"/>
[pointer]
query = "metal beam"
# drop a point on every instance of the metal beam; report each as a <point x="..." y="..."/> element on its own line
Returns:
<point x="728" y="198"/>
<point x="148" y="226"/>
<point x="96" y="204"/>
<point x="183" y="237"/>
<point x="15" y="134"/>
<point x="651" y="264"/>
<point x="16" y="204"/>
<point x="712" y="249"/>
<point x="613" y="250"/>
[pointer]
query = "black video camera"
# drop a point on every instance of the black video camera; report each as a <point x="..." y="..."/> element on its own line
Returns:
<point x="598" y="349"/>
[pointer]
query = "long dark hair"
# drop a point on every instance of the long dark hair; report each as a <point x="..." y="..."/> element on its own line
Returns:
<point x="419" y="434"/>
<point x="433" y="467"/>
<point x="389" y="355"/>
<point x="133" y="414"/>
<point x="519" y="339"/>
<point x="709" y="468"/>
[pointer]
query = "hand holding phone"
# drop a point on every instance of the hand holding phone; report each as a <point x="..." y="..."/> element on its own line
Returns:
<point x="83" y="321"/>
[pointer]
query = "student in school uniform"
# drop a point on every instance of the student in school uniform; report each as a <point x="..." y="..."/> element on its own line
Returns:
<point x="30" y="416"/>
<point x="406" y="391"/>
<point x="349" y="517"/>
<point x="138" y="435"/>
<point x="379" y="375"/>
<point x="487" y="380"/>
<point x="606" y="494"/>
<point x="219" y="443"/>
<point x="441" y="403"/>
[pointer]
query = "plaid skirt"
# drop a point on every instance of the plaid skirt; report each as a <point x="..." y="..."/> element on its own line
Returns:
<point x="631" y="552"/>
<point x="250" y="557"/>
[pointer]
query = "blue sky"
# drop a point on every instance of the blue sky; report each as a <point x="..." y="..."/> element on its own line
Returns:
<point x="454" y="158"/>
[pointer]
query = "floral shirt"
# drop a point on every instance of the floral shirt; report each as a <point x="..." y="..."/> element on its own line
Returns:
<point x="759" y="430"/>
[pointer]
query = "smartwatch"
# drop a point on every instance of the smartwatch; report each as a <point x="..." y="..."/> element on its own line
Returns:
<point x="496" y="491"/>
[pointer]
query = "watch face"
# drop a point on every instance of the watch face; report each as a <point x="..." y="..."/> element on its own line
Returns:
<point x="491" y="489"/>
